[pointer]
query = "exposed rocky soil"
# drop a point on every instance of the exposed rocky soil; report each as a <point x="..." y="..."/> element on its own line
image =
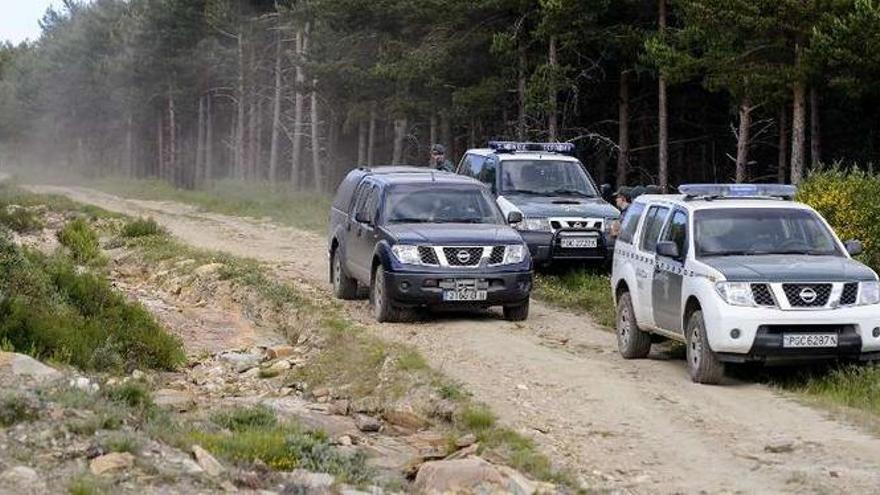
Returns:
<point x="631" y="426"/>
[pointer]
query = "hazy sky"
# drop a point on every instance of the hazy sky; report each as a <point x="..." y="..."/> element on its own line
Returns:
<point x="19" y="18"/>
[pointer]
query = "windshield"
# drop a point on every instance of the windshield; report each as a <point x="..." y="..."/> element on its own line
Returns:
<point x="432" y="204"/>
<point x="756" y="231"/>
<point x="545" y="178"/>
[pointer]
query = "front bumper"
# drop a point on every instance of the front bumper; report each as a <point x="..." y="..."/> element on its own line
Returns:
<point x="761" y="331"/>
<point x="547" y="246"/>
<point x="411" y="289"/>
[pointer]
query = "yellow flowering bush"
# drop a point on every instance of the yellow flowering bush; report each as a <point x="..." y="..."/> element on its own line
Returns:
<point x="850" y="200"/>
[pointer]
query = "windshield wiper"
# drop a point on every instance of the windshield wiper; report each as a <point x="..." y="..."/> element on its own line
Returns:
<point x="572" y="192"/>
<point x="730" y="253"/>
<point x="807" y="252"/>
<point x="410" y="220"/>
<point x="459" y="220"/>
<point x="522" y="191"/>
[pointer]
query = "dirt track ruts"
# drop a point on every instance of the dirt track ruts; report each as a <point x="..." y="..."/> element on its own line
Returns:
<point x="630" y="426"/>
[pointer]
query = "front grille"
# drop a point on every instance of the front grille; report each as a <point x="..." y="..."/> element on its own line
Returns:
<point x="428" y="255"/>
<point x="849" y="294"/>
<point x="807" y="295"/>
<point x="576" y="224"/>
<point x="497" y="256"/>
<point x="762" y="295"/>
<point x="463" y="256"/>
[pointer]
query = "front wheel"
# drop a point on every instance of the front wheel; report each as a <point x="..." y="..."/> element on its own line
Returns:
<point x="384" y="309"/>
<point x="344" y="287"/>
<point x="703" y="364"/>
<point x="631" y="341"/>
<point x="518" y="312"/>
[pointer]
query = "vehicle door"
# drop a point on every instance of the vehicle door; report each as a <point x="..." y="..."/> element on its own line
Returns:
<point x="669" y="275"/>
<point x="646" y="260"/>
<point x="363" y="234"/>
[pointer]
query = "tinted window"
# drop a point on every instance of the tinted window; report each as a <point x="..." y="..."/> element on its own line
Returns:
<point x="755" y="231"/>
<point x="487" y="175"/>
<point x="545" y="177"/>
<point x="676" y="231"/>
<point x="361" y="196"/>
<point x="372" y="203"/>
<point x="630" y="222"/>
<point x="471" y="165"/>
<point x="653" y="225"/>
<point x="346" y="190"/>
<point x="433" y="204"/>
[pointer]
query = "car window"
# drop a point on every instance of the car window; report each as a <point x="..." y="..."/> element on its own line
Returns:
<point x="676" y="231"/>
<point x="653" y="225"/>
<point x="546" y="178"/>
<point x="630" y="222"/>
<point x="440" y="204"/>
<point x="372" y="203"/>
<point x="487" y="175"/>
<point x="360" y="200"/>
<point x="472" y="165"/>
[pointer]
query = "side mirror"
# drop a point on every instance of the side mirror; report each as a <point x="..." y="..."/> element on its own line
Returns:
<point x="668" y="249"/>
<point x="361" y="217"/>
<point x="514" y="217"/>
<point x="853" y="247"/>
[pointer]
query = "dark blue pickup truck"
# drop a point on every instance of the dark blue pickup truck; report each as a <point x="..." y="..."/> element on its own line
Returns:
<point x="421" y="238"/>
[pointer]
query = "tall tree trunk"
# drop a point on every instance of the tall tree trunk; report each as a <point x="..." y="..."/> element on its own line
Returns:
<point x="742" y="139"/>
<point x="200" y="146"/>
<point x="662" y="116"/>
<point x="446" y="134"/>
<point x="259" y="168"/>
<point x="298" y="98"/>
<point x="276" y="109"/>
<point x="129" y="146"/>
<point x="371" y="136"/>
<point x="316" y="140"/>
<point x="552" y="122"/>
<point x="209" y="142"/>
<point x="623" y="129"/>
<point x="172" y="138"/>
<point x="240" y="107"/>
<point x="782" y="162"/>
<point x="362" y="143"/>
<point x="521" y="92"/>
<point x="400" y="127"/>
<point x="160" y="138"/>
<point x="815" y="128"/>
<point x="432" y="133"/>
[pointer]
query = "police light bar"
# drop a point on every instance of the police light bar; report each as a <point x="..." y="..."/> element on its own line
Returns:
<point x="512" y="146"/>
<point x="738" y="190"/>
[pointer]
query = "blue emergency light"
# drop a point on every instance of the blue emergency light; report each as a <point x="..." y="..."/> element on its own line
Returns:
<point x="512" y="146"/>
<point x="738" y="191"/>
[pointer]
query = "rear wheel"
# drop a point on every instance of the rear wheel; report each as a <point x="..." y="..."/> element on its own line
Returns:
<point x="384" y="309"/>
<point x="518" y="312"/>
<point x="344" y="287"/>
<point x="703" y="364"/>
<point x="631" y="341"/>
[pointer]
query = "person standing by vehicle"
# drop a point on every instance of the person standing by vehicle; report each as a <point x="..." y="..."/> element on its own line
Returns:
<point x="438" y="159"/>
<point x="623" y="198"/>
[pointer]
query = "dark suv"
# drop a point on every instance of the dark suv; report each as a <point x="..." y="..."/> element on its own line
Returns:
<point x="421" y="238"/>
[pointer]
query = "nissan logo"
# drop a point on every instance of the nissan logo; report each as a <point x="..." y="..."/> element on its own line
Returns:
<point x="463" y="256"/>
<point x="808" y="295"/>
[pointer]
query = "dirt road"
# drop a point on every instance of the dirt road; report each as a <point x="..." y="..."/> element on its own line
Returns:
<point x="630" y="426"/>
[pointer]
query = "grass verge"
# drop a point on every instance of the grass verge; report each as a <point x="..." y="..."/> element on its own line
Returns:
<point x="583" y="289"/>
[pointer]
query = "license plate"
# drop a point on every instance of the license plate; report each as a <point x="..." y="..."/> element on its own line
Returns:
<point x="578" y="242"/>
<point x="465" y="295"/>
<point x="809" y="340"/>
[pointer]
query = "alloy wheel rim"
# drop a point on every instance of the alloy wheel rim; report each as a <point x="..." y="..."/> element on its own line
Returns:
<point x="696" y="346"/>
<point x="622" y="327"/>
<point x="337" y="275"/>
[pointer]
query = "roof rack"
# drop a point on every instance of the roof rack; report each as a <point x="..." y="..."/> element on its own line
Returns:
<point x="513" y="146"/>
<point x="737" y="191"/>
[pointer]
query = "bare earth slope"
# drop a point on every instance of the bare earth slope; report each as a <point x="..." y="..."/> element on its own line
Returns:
<point x="632" y="426"/>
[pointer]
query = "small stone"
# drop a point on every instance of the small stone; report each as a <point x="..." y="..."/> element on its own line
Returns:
<point x="463" y="453"/>
<point x="137" y="374"/>
<point x="834" y="474"/>
<point x="521" y="386"/>
<point x="367" y="423"/>
<point x="465" y="440"/>
<point x="339" y="407"/>
<point x="780" y="447"/>
<point x="344" y="440"/>
<point x="300" y="479"/>
<point x="321" y="392"/>
<point x="280" y="366"/>
<point x="111" y="462"/>
<point x="176" y="400"/>
<point x="207" y="462"/>
<point x="406" y="419"/>
<point x="280" y="351"/>
<point x="84" y="384"/>
<point x="209" y="269"/>
<point x="458" y="476"/>
<point x="95" y="451"/>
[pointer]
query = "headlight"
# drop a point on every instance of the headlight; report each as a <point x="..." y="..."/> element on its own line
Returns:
<point x="869" y="293"/>
<point x="514" y="254"/>
<point x="534" y="224"/>
<point x="408" y="255"/>
<point x="736" y="293"/>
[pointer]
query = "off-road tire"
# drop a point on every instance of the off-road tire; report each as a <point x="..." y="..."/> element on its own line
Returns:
<point x="703" y="364"/>
<point x="632" y="342"/>
<point x="344" y="287"/>
<point x="384" y="309"/>
<point x="517" y="312"/>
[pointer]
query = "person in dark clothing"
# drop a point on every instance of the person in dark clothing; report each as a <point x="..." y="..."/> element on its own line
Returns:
<point x="653" y="189"/>
<point x="438" y="159"/>
<point x="623" y="198"/>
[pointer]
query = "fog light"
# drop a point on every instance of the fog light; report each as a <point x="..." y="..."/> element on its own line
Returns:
<point x="734" y="334"/>
<point x="431" y="282"/>
<point x="404" y="286"/>
<point x="876" y="332"/>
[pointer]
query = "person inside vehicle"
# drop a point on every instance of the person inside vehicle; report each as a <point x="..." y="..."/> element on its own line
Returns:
<point x="438" y="159"/>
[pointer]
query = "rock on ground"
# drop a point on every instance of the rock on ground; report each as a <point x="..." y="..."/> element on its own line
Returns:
<point x="18" y="365"/>
<point x="23" y="480"/>
<point x="111" y="462"/>
<point x="207" y="462"/>
<point x="474" y="475"/>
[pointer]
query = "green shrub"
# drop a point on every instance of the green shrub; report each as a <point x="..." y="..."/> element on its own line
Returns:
<point x="245" y="418"/>
<point x="848" y="199"/>
<point x="141" y="227"/>
<point x="78" y="237"/>
<point x="132" y="394"/>
<point x="16" y="409"/>
<point x="51" y="311"/>
<point x="19" y="219"/>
